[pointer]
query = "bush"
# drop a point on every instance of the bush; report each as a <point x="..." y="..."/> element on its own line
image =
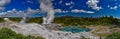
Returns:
<point x="115" y="35"/>
<point x="6" y="33"/>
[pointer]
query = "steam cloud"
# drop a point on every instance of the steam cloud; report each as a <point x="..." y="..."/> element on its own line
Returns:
<point x="3" y="3"/>
<point x="46" y="7"/>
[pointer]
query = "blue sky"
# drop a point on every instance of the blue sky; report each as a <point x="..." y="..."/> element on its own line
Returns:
<point x="22" y="4"/>
<point x="79" y="8"/>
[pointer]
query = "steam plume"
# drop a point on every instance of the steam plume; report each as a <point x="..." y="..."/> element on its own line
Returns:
<point x="46" y="7"/>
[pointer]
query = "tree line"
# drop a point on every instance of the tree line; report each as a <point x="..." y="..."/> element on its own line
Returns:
<point x="68" y="20"/>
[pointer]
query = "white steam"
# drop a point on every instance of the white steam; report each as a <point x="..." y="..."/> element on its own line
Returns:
<point x="46" y="7"/>
<point x="26" y="14"/>
<point x="3" y="3"/>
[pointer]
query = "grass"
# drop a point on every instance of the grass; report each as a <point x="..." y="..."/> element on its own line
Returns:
<point x="6" y="33"/>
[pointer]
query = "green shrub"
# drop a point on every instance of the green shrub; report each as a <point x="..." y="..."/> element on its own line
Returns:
<point x="115" y="35"/>
<point x="6" y="33"/>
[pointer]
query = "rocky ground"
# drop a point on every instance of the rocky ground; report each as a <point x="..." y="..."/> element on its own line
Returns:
<point x="48" y="33"/>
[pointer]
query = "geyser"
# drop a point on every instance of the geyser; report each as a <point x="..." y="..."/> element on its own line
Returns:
<point x="23" y="20"/>
<point x="46" y="7"/>
<point x="6" y="19"/>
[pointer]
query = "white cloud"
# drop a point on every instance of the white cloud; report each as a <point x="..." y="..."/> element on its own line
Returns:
<point x="90" y="12"/>
<point x="1" y="8"/>
<point x="115" y="0"/>
<point x="60" y="1"/>
<point x="70" y="3"/>
<point x="114" y="8"/>
<point x="67" y="4"/>
<point x="119" y="5"/>
<point x="75" y="11"/>
<point x="29" y="10"/>
<point x="108" y="6"/>
<point x="71" y="7"/>
<point x="93" y="4"/>
<point x="2" y="14"/>
<point x="16" y="13"/>
<point x="81" y="11"/>
<point x="60" y="11"/>
<point x="30" y="2"/>
<point x="65" y="11"/>
<point x="3" y="3"/>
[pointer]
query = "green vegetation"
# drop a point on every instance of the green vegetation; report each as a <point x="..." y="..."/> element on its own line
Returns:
<point x="66" y="21"/>
<point x="82" y="37"/>
<point x="28" y="20"/>
<point x="115" y="35"/>
<point x="36" y="20"/>
<point x="15" y="19"/>
<point x="6" y="33"/>
<point x="1" y="20"/>
<point x="74" y="21"/>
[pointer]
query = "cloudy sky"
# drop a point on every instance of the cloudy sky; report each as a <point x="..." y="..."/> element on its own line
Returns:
<point x="79" y="8"/>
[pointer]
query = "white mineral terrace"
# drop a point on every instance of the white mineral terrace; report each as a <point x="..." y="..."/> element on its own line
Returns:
<point x="35" y="29"/>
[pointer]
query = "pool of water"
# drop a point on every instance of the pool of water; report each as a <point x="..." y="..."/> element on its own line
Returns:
<point x="75" y="29"/>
